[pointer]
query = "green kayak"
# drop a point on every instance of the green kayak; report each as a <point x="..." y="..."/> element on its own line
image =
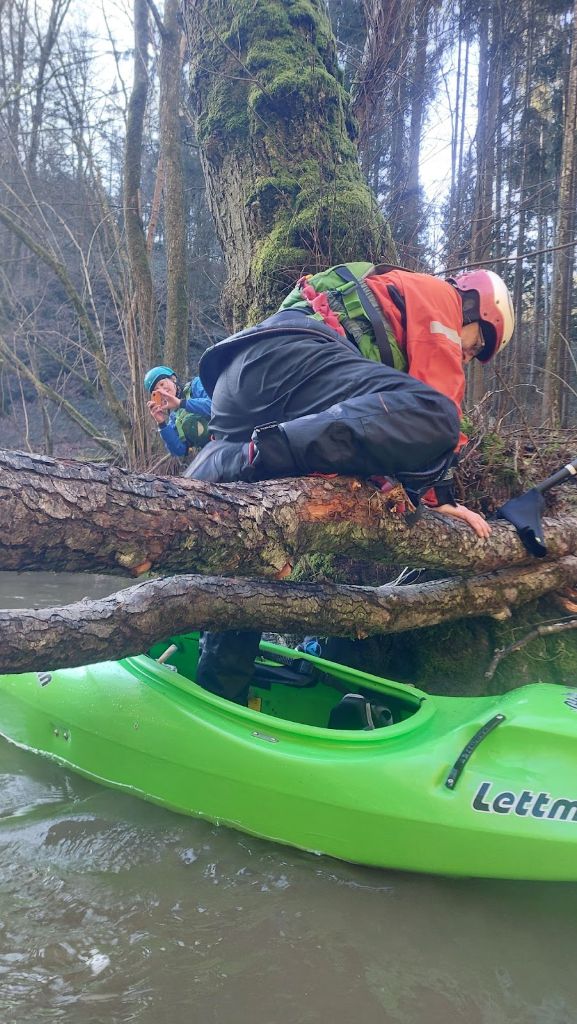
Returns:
<point x="325" y="758"/>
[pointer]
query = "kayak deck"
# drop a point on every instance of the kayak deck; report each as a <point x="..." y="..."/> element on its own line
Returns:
<point x="294" y="768"/>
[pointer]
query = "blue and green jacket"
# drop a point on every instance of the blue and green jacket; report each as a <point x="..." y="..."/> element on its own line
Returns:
<point x="188" y="427"/>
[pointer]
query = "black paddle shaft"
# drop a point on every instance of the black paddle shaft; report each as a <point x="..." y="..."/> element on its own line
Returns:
<point x="569" y="472"/>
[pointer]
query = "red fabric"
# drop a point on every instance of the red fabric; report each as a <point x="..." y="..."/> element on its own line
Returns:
<point x="320" y="304"/>
<point x="431" y="340"/>
<point x="433" y="355"/>
<point x="430" y="498"/>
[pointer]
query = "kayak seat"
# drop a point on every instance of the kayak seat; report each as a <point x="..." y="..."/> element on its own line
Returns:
<point x="354" y="711"/>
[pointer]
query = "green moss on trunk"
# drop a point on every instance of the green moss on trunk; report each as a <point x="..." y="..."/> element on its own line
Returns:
<point x="278" y="148"/>
<point x="454" y="658"/>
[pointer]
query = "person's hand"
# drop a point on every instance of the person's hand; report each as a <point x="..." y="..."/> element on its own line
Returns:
<point x="466" y="515"/>
<point x="158" y="412"/>
<point x="169" y="399"/>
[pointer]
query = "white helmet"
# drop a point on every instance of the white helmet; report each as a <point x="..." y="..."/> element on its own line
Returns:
<point x="487" y="299"/>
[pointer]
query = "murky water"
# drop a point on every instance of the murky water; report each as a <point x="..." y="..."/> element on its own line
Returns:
<point x="112" y="910"/>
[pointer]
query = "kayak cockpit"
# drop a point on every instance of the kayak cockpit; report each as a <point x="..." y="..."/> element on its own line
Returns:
<point x="297" y="687"/>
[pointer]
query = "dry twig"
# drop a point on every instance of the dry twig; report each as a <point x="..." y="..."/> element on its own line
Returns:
<point x="545" y="630"/>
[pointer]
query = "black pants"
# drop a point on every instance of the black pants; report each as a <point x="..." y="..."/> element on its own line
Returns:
<point x="340" y="413"/>
<point x="226" y="662"/>
<point x="346" y="413"/>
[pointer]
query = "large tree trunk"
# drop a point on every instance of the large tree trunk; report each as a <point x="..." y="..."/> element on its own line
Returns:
<point x="482" y="228"/>
<point x="277" y="147"/>
<point x="412" y="200"/>
<point x="563" y="258"/>
<point x="170" y="74"/>
<point x="73" y="516"/>
<point x="77" y="516"/>
<point x="145" y="304"/>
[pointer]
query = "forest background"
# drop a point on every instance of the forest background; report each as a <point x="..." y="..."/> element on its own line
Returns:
<point x="111" y="260"/>
<point x="83" y="306"/>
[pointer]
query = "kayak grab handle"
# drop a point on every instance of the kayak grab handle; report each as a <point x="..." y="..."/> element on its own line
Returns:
<point x="472" y="745"/>
<point x="170" y="650"/>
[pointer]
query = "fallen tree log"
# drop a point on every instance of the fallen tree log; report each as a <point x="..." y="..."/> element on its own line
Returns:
<point x="72" y="516"/>
<point x="130" y="621"/>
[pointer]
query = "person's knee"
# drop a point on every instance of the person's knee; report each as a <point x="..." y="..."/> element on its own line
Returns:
<point x="221" y="462"/>
<point x="226" y="663"/>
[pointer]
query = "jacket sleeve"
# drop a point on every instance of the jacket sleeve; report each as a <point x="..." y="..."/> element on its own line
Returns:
<point x="198" y="402"/>
<point x="172" y="441"/>
<point x="442" y="493"/>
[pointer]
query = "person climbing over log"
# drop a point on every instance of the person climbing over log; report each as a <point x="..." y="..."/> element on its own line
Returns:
<point x="181" y="413"/>
<point x="364" y="376"/>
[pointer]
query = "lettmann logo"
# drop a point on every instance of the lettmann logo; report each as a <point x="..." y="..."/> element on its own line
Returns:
<point x="526" y="804"/>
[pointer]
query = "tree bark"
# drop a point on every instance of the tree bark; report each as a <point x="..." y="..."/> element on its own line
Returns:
<point x="135" y="236"/>
<point x="132" y="620"/>
<point x="482" y="228"/>
<point x="563" y="258"/>
<point x="69" y="516"/>
<point x="170" y="74"/>
<point x="412" y="200"/>
<point x="511" y="364"/>
<point x="278" y="148"/>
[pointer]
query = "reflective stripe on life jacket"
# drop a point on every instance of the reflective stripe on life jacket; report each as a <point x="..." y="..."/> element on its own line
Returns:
<point x="430" y="332"/>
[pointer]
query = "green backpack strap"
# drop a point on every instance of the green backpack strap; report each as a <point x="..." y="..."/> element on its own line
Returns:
<point x="356" y="307"/>
<point x="372" y="313"/>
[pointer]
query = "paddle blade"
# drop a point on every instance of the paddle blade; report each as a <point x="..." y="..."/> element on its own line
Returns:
<point x="524" y="513"/>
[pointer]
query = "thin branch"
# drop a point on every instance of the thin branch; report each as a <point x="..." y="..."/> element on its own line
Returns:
<point x="549" y="630"/>
<point x="94" y="342"/>
<point x="93" y="432"/>
<point x="505" y="259"/>
<point x="155" y="14"/>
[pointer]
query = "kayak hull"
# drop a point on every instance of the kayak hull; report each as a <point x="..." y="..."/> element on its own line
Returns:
<point x="379" y="797"/>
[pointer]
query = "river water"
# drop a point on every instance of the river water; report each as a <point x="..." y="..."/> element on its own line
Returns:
<point x="113" y="910"/>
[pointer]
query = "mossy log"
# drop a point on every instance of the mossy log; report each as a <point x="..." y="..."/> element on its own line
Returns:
<point x="71" y="516"/>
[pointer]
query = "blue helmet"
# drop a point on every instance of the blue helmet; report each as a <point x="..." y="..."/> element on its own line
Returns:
<point x="152" y="377"/>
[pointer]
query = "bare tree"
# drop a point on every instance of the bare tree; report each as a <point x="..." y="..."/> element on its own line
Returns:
<point x="563" y="259"/>
<point x="148" y="344"/>
<point x="170" y="81"/>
